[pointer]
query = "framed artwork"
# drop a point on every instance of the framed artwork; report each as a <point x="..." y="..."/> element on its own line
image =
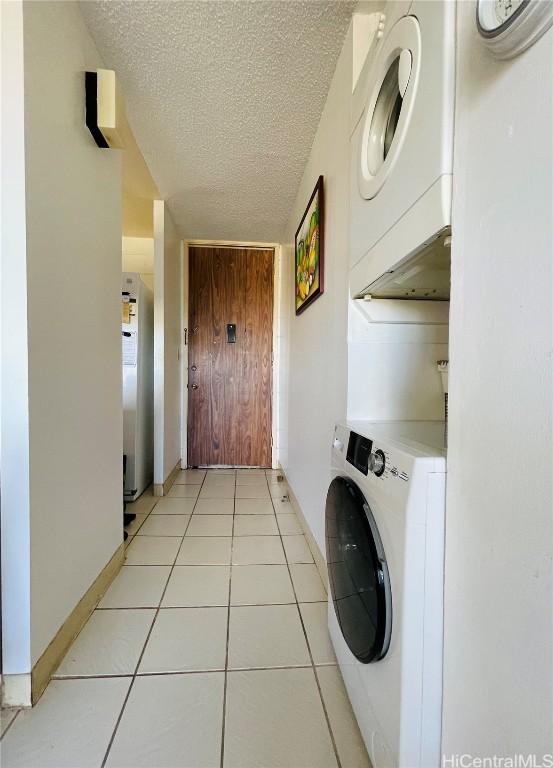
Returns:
<point x="309" y="251"/>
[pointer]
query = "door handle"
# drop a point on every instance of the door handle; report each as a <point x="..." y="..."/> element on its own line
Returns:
<point x="194" y="386"/>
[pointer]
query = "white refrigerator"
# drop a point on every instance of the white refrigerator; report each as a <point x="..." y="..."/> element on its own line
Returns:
<point x="137" y="333"/>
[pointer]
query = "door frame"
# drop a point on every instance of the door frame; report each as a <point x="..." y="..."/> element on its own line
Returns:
<point x="277" y="251"/>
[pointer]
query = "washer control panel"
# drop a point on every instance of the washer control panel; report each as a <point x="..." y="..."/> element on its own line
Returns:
<point x="359" y="452"/>
<point x="385" y="468"/>
<point x="377" y="462"/>
<point x="366" y="457"/>
<point x="396" y="473"/>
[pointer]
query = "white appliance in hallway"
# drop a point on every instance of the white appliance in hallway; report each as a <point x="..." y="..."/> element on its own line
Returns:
<point x="401" y="146"/>
<point x="385" y="550"/>
<point x="137" y="330"/>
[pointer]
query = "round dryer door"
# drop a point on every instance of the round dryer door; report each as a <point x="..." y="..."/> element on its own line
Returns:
<point x="391" y="94"/>
<point x="357" y="571"/>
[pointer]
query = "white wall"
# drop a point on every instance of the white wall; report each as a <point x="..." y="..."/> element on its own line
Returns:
<point x="498" y="588"/>
<point x="74" y="310"/>
<point x="277" y="379"/>
<point x="73" y="228"/>
<point x="392" y="372"/>
<point x="14" y="471"/>
<point x="167" y="343"/>
<point x="138" y="256"/>
<point x="313" y="351"/>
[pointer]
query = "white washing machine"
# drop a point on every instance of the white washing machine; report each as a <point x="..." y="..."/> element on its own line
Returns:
<point x="385" y="551"/>
<point x="401" y="146"/>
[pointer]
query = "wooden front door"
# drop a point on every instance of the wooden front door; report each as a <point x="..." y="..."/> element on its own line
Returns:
<point x="230" y="381"/>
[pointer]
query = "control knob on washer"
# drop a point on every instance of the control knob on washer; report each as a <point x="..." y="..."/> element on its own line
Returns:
<point x="377" y="462"/>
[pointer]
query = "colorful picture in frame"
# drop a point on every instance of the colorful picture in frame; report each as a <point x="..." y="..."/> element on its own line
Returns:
<point x="309" y="251"/>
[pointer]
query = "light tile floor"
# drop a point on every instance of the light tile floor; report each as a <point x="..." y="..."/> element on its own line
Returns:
<point x="209" y="650"/>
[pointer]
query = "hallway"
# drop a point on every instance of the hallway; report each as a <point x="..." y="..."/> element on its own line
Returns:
<point x="209" y="649"/>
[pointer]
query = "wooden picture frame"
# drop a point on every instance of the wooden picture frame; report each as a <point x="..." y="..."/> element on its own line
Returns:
<point x="309" y="251"/>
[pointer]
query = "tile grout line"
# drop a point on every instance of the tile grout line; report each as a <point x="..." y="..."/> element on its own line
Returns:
<point x="313" y="665"/>
<point x="228" y="627"/>
<point x="9" y="725"/>
<point x="146" y="516"/>
<point x="118" y="721"/>
<point x="182" y="673"/>
<point x="106" y="676"/>
<point x="214" y="605"/>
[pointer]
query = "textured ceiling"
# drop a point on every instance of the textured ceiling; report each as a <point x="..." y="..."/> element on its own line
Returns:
<point x="224" y="99"/>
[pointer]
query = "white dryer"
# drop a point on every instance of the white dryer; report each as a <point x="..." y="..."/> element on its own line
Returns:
<point x="401" y="145"/>
<point x="385" y="549"/>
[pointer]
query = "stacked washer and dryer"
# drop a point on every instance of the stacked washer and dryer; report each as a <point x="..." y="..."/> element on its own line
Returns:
<point x="385" y="506"/>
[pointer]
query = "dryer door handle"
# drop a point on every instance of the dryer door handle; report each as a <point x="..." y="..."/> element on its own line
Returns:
<point x="404" y="70"/>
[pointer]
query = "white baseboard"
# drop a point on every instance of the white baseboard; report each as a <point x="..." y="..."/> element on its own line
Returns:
<point x="318" y="556"/>
<point x="25" y="690"/>
<point x="16" y="690"/>
<point x="163" y="489"/>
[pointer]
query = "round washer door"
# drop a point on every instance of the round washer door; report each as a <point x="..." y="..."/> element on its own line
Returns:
<point x="391" y="96"/>
<point x="357" y="571"/>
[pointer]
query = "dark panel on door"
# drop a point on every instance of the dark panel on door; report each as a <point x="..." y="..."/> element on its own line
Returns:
<point x="257" y="360"/>
<point x="227" y="280"/>
<point x="199" y="358"/>
<point x="231" y="321"/>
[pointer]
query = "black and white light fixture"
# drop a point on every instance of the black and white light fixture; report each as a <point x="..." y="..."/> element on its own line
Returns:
<point x="104" y="109"/>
